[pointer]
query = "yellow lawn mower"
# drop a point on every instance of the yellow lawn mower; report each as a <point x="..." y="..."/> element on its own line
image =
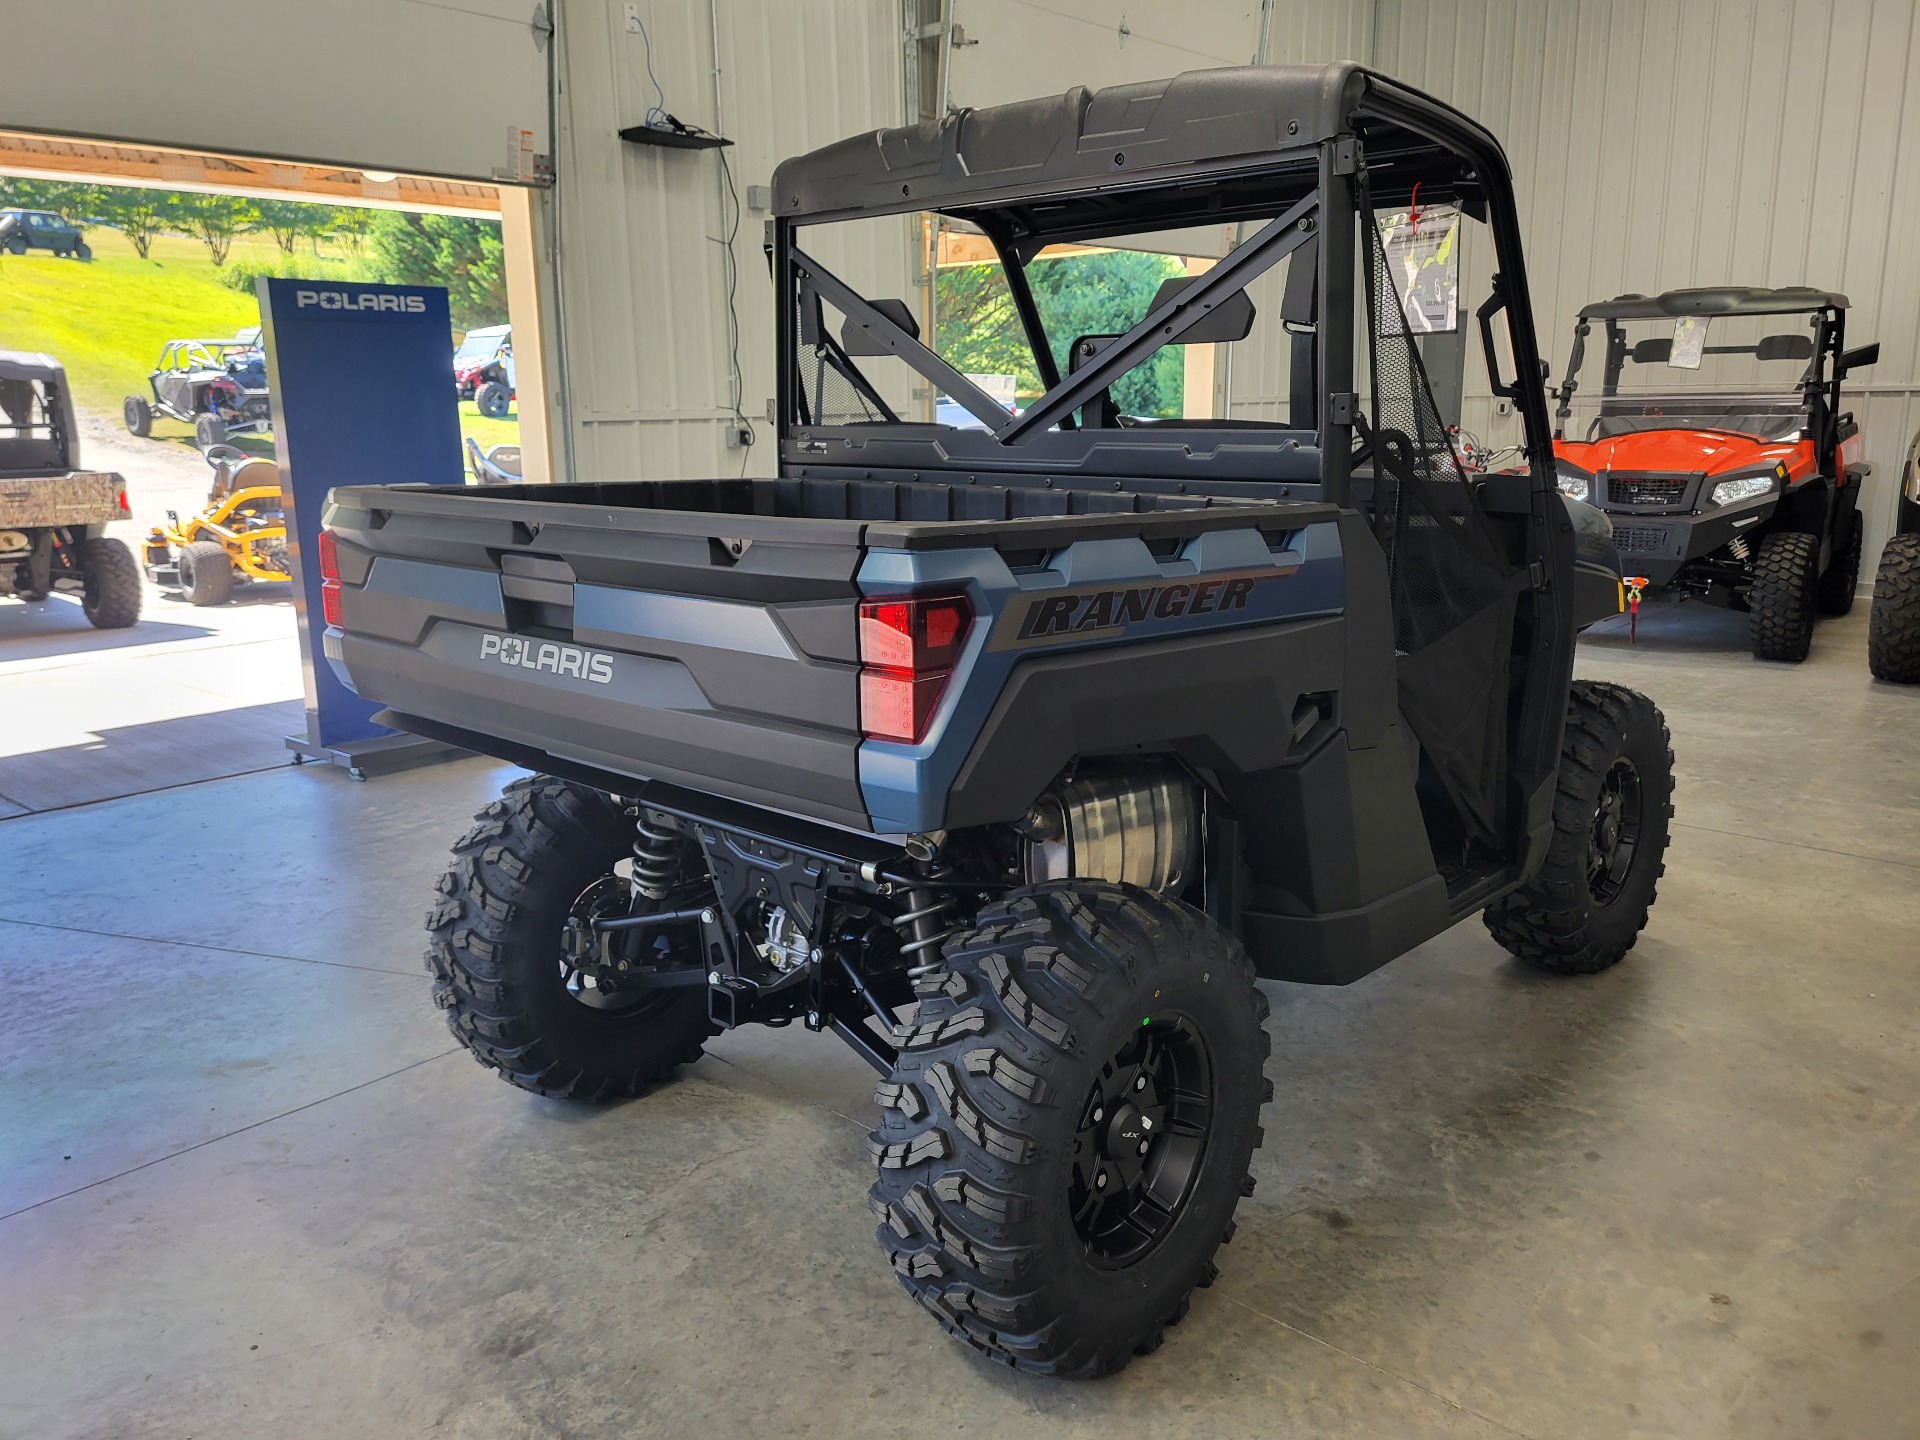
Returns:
<point x="240" y="536"/>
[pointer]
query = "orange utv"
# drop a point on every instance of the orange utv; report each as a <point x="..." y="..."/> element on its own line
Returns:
<point x="1717" y="445"/>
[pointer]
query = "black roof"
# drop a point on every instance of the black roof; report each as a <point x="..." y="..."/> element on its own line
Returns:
<point x="27" y="365"/>
<point x="1715" y="300"/>
<point x="1081" y="137"/>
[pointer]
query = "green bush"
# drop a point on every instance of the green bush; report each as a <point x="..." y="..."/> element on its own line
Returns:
<point x="241" y="274"/>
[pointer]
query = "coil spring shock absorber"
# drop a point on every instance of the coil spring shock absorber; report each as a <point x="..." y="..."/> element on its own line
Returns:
<point x="925" y="924"/>
<point x="657" y="858"/>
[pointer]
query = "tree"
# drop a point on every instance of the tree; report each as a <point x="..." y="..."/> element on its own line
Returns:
<point x="138" y="214"/>
<point x="288" y="220"/>
<point x="73" y="202"/>
<point x="978" y="330"/>
<point x="464" y="255"/>
<point x="1102" y="293"/>
<point x="350" y="223"/>
<point x="214" y="220"/>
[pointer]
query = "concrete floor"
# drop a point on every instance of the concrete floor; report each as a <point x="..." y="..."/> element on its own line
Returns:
<point x="248" y="1188"/>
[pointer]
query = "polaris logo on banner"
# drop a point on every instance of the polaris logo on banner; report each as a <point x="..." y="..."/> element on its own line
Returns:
<point x="555" y="659"/>
<point x="340" y="300"/>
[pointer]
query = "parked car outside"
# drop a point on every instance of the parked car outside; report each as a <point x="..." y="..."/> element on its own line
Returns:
<point x="24" y="230"/>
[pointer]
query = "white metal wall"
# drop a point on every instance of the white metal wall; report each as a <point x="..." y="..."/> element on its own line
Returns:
<point x="1022" y="48"/>
<point x="421" y="86"/>
<point x="639" y="253"/>
<point x="1658" y="144"/>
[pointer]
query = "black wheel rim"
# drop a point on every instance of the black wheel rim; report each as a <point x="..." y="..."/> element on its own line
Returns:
<point x="589" y="982"/>
<point x="1141" y="1141"/>
<point x="1613" y="839"/>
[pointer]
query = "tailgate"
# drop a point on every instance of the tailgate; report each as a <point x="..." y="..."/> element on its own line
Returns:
<point x="84" y="497"/>
<point x="714" y="650"/>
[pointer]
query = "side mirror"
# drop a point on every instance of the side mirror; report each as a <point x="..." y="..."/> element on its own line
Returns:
<point x="1857" y="359"/>
<point x="1228" y="321"/>
<point x="855" y="339"/>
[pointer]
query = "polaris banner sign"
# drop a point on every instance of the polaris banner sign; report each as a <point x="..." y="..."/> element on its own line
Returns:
<point x="361" y="301"/>
<point x="363" y="394"/>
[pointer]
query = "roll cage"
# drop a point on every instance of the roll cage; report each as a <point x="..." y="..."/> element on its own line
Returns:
<point x="188" y="355"/>
<point x="1298" y="149"/>
<point x="1818" y="389"/>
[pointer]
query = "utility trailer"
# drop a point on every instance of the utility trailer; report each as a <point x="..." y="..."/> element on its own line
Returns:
<point x="1013" y="753"/>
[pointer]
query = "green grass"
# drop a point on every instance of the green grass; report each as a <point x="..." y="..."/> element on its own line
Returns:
<point x="106" y="319"/>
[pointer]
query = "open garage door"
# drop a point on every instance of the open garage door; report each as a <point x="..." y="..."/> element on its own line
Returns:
<point x="453" y="88"/>
<point x="429" y="105"/>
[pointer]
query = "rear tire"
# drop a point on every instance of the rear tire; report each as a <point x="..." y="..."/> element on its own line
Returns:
<point x="209" y="431"/>
<point x="1893" y="627"/>
<point x="138" y="415"/>
<point x="206" y="574"/>
<point x="16" y="244"/>
<point x="83" y="251"/>
<point x="496" y="953"/>
<point x="1013" y="1196"/>
<point x="1780" y="622"/>
<point x="493" y="400"/>
<point x="110" y="589"/>
<point x="1834" y="594"/>
<point x="1611" y="819"/>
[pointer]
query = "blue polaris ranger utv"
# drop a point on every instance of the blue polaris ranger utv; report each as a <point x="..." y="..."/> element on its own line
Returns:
<point x="1013" y="752"/>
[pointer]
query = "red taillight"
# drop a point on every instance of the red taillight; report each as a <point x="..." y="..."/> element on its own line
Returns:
<point x="907" y="650"/>
<point x="120" y="499"/>
<point x="329" y="578"/>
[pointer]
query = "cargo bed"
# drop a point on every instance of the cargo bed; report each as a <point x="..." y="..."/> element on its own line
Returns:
<point x="701" y="632"/>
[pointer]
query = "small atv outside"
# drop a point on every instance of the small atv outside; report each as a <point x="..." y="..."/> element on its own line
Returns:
<point x="240" y="537"/>
<point x="1893" y="628"/>
<point x="483" y="370"/>
<point x="24" y="230"/>
<point x="219" y="387"/>
<point x="1718" y="446"/>
<point x="54" y="515"/>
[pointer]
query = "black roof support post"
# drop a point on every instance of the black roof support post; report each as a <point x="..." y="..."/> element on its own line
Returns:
<point x="1338" y="163"/>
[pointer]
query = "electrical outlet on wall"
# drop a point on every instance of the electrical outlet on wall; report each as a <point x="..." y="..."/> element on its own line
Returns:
<point x="1503" y="408"/>
<point x="633" y="19"/>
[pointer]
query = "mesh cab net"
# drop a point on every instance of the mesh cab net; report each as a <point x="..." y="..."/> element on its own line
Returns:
<point x="1452" y="588"/>
<point x="832" y="397"/>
